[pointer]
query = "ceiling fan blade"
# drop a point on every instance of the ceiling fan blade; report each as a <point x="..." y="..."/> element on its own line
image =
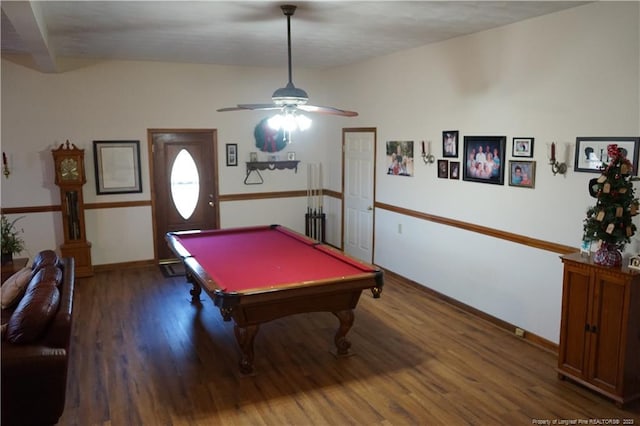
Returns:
<point x="250" y="107"/>
<point x="327" y="110"/>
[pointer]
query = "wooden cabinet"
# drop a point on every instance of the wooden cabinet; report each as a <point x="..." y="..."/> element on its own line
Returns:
<point x="600" y="328"/>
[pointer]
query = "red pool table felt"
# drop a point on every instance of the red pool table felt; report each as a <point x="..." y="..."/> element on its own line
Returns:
<point x="250" y="259"/>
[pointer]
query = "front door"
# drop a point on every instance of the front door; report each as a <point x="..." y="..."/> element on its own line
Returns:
<point x="184" y="185"/>
<point x="359" y="147"/>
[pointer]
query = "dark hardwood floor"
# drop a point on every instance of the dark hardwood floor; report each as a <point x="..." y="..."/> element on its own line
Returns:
<point x="142" y="354"/>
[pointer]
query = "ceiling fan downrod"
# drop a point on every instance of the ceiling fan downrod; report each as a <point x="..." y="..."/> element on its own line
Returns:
<point x="289" y="10"/>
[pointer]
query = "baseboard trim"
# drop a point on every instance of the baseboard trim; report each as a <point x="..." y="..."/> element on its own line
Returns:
<point x="529" y="337"/>
<point x="124" y="265"/>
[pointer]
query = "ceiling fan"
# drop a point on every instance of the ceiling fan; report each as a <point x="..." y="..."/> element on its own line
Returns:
<point x="290" y="99"/>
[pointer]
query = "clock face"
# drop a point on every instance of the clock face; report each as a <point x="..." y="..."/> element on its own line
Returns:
<point x="69" y="169"/>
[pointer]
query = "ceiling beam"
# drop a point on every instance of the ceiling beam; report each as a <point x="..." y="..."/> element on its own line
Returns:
<point x="28" y="22"/>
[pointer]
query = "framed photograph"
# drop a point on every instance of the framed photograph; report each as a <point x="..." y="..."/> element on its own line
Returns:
<point x="253" y="156"/>
<point x="522" y="147"/>
<point x="400" y="158"/>
<point x="291" y="156"/>
<point x="454" y="170"/>
<point x="634" y="262"/>
<point x="450" y="143"/>
<point x="484" y="159"/>
<point x="522" y="173"/>
<point x="591" y="153"/>
<point x="232" y="154"/>
<point x="443" y="169"/>
<point x="117" y="166"/>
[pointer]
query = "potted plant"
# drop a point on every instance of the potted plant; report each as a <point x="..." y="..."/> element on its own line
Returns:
<point x="12" y="242"/>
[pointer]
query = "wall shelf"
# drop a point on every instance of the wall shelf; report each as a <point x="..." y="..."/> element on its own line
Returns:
<point x="256" y="166"/>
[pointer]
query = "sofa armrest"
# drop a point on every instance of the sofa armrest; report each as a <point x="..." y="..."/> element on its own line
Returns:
<point x="18" y="360"/>
<point x="34" y="380"/>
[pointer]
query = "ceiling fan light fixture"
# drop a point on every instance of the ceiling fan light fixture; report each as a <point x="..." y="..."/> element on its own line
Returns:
<point x="289" y="122"/>
<point x="303" y="122"/>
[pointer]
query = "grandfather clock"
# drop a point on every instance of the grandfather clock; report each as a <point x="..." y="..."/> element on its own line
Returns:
<point x="70" y="177"/>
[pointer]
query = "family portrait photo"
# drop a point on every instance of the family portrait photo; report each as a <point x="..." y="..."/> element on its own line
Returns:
<point x="484" y="159"/>
<point x="400" y="158"/>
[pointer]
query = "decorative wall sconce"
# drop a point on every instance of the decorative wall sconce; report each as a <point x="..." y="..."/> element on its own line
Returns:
<point x="556" y="167"/>
<point x="5" y="166"/>
<point x="427" y="157"/>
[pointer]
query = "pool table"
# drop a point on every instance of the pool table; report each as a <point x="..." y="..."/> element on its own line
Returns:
<point x="261" y="273"/>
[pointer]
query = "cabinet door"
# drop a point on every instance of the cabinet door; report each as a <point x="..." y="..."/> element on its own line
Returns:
<point x="575" y="317"/>
<point x="607" y="331"/>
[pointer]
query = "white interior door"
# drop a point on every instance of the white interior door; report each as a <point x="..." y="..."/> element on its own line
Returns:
<point x="359" y="146"/>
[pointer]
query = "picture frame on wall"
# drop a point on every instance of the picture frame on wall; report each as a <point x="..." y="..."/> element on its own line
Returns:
<point x="399" y="156"/>
<point x="232" y="154"/>
<point x="443" y="169"/>
<point x="454" y="170"/>
<point x="450" y="143"/>
<point x="117" y="167"/>
<point x="522" y="173"/>
<point x="591" y="152"/>
<point x="484" y="159"/>
<point x="522" y="147"/>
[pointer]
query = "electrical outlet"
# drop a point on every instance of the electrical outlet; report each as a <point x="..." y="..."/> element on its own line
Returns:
<point x="519" y="332"/>
<point x="399" y="228"/>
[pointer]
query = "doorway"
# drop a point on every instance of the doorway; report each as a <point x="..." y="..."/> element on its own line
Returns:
<point x="184" y="184"/>
<point x="359" y="151"/>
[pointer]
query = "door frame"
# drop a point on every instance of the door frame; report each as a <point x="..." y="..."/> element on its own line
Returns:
<point x="373" y="130"/>
<point x="215" y="183"/>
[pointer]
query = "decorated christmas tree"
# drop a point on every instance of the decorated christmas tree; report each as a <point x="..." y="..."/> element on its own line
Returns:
<point x="609" y="221"/>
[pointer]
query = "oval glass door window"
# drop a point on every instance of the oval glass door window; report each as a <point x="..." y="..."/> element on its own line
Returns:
<point x="185" y="184"/>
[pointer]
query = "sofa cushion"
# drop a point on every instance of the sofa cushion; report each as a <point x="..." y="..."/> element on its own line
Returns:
<point x="36" y="308"/>
<point x="44" y="258"/>
<point x="14" y="287"/>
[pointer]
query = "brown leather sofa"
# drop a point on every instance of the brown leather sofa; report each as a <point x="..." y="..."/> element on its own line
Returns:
<point x="35" y="344"/>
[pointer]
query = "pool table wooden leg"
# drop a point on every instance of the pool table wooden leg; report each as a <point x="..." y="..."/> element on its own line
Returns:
<point x="346" y="321"/>
<point x="195" y="293"/>
<point x="245" y="337"/>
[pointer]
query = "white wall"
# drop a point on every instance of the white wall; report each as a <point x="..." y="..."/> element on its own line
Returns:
<point x="556" y="77"/>
<point x="121" y="100"/>
<point x="573" y="73"/>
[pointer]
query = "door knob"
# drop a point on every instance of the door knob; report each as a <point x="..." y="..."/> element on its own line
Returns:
<point x="369" y="208"/>
<point x="211" y="204"/>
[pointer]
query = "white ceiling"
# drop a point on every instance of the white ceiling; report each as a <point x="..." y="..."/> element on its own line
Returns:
<point x="251" y="33"/>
